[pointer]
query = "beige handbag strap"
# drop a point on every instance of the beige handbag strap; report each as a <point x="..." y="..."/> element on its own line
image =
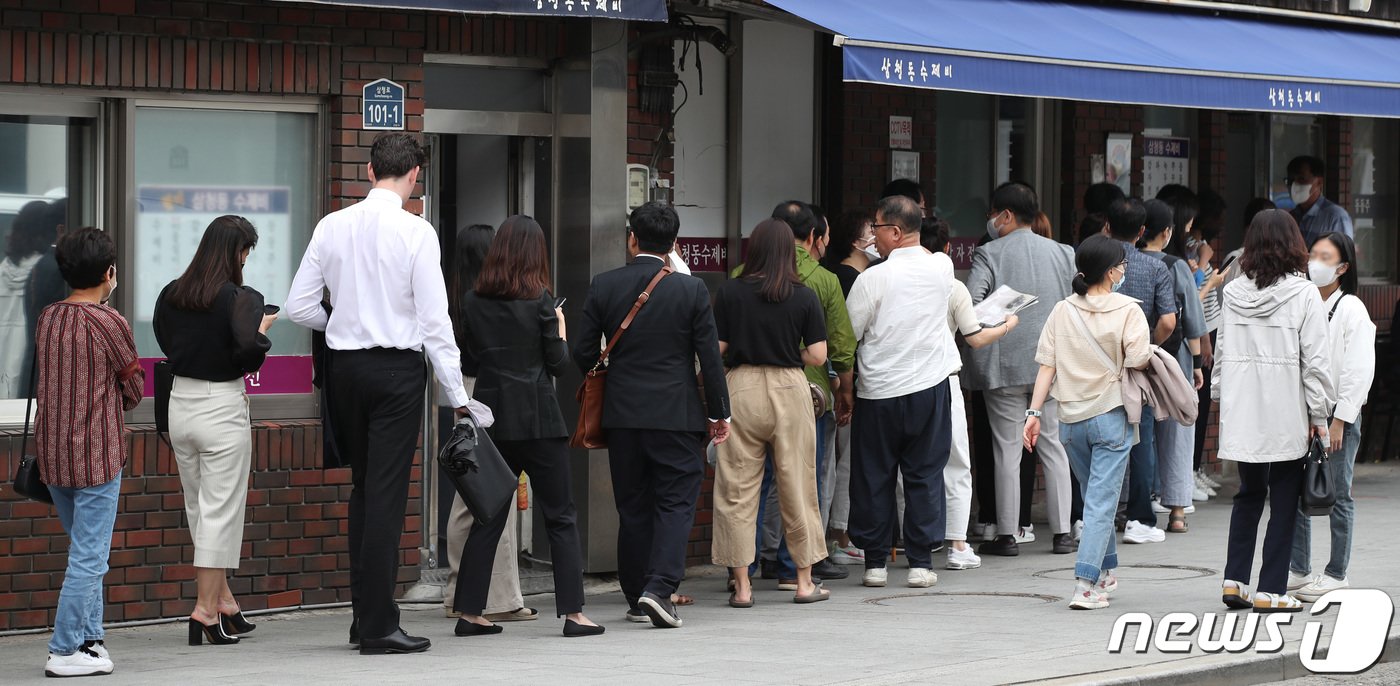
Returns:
<point x="1099" y="352"/>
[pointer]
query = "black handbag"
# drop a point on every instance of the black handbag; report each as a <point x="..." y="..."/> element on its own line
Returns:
<point x="165" y="383"/>
<point x="481" y="476"/>
<point x="28" y="483"/>
<point x="1319" y="489"/>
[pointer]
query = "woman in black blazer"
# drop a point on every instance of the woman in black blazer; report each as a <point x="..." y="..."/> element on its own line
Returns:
<point x="513" y="329"/>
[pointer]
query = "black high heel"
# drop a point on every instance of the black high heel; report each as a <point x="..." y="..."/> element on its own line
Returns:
<point x="214" y="633"/>
<point x="235" y="624"/>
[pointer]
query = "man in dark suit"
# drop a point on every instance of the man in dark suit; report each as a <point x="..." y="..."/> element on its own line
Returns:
<point x="657" y="425"/>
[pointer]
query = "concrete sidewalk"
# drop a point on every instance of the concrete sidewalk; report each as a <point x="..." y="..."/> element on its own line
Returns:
<point x="1004" y="623"/>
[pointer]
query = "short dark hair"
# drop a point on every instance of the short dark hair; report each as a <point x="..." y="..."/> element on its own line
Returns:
<point x="1019" y="199"/>
<point x="1255" y="206"/>
<point x="1126" y="217"/>
<point x="1211" y="218"/>
<point x="1314" y="164"/>
<point x="798" y="216"/>
<point x="1159" y="219"/>
<point x="933" y="236"/>
<point x="655" y="225"/>
<point x="84" y="256"/>
<point x="1273" y="248"/>
<point x="843" y="236"/>
<point x="902" y="211"/>
<point x="1185" y="207"/>
<point x="394" y="155"/>
<point x="1092" y="225"/>
<point x="1347" y="248"/>
<point x="1095" y="256"/>
<point x="908" y="188"/>
<point x="217" y="261"/>
<point x="820" y="222"/>
<point x="517" y="265"/>
<point x="1099" y="196"/>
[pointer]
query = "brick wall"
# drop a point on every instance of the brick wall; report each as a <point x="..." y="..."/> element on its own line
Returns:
<point x="1086" y="129"/>
<point x="294" y="539"/>
<point x="865" y="140"/>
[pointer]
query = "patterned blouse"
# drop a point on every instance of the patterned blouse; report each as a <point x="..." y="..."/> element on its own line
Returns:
<point x="88" y="375"/>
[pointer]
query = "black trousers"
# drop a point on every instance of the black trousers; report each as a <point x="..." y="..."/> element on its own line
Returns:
<point x="1203" y="419"/>
<point x="909" y="435"/>
<point x="378" y="413"/>
<point x="1281" y="485"/>
<point x="656" y="480"/>
<point x="546" y="460"/>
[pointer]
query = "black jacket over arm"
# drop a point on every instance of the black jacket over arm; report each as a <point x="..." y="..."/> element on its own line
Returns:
<point x="517" y="347"/>
<point x="651" y="374"/>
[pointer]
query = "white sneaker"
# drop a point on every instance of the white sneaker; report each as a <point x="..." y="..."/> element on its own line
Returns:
<point x="1090" y="599"/>
<point x="83" y="662"/>
<point x="1078" y="530"/>
<point x="921" y="578"/>
<point x="1108" y="583"/>
<point x="850" y="555"/>
<point x="1210" y="483"/>
<point x="983" y="531"/>
<point x="1297" y="581"/>
<point x="1159" y="508"/>
<point x="963" y="559"/>
<point x="1137" y="532"/>
<point x="98" y="647"/>
<point x="876" y="577"/>
<point x="1320" y="586"/>
<point x="1189" y="509"/>
<point x="1026" y="534"/>
<point x="1198" y="493"/>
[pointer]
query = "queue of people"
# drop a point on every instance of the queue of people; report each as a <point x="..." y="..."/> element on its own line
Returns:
<point x="829" y="370"/>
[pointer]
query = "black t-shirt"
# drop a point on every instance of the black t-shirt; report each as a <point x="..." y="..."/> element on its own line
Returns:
<point x="846" y="274"/>
<point x="765" y="333"/>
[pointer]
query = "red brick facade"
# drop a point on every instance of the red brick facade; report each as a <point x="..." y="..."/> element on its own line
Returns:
<point x="865" y="140"/>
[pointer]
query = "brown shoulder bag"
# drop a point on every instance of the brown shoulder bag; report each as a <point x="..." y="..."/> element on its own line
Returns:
<point x="589" y="432"/>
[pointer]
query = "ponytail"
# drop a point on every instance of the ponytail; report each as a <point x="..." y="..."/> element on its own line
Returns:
<point x="1080" y="286"/>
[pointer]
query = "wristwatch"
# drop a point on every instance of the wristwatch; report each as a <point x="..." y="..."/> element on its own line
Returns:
<point x="1034" y="413"/>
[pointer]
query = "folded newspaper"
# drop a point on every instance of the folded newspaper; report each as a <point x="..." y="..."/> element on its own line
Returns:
<point x="1002" y="303"/>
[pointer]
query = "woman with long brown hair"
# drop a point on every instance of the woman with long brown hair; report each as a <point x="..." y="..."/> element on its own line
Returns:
<point x="1273" y="378"/>
<point x="770" y="327"/>
<point x="517" y="336"/>
<point x="213" y="330"/>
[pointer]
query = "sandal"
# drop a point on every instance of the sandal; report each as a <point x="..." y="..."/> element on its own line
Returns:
<point x="816" y="597"/>
<point x="1176" y="524"/>
<point x="1276" y="602"/>
<point x="734" y="601"/>
<point x="678" y="599"/>
<point x="1235" y="596"/>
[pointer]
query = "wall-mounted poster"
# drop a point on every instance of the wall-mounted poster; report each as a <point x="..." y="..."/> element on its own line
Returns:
<point x="904" y="165"/>
<point x="1118" y="167"/>
<point x="1165" y="161"/>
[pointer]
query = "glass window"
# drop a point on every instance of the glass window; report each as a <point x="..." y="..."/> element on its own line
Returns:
<point x="193" y="165"/>
<point x="1375" y="178"/>
<point x="1290" y="135"/>
<point x="46" y="185"/>
<point x="964" y="139"/>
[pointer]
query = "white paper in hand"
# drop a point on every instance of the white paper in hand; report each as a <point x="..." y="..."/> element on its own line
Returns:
<point x="1002" y="303"/>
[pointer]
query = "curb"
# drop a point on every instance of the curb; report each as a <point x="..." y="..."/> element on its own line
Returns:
<point x="1210" y="670"/>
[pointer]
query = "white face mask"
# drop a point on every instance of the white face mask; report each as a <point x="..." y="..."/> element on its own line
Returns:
<point x="992" y="231"/>
<point x="871" y="252"/>
<point x="1322" y="274"/>
<point x="1300" y="192"/>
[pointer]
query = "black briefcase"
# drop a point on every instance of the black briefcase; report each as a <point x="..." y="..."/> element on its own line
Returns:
<point x="479" y="473"/>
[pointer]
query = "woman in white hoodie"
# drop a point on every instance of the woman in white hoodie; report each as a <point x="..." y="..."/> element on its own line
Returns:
<point x="1273" y="378"/>
<point x="1333" y="268"/>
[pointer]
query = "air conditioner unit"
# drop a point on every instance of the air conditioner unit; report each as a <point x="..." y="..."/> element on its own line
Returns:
<point x="1360" y="5"/>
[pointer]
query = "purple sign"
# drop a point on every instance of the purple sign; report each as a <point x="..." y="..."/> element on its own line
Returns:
<point x="279" y="374"/>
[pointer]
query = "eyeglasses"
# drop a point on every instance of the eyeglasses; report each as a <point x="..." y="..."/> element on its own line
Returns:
<point x="877" y="227"/>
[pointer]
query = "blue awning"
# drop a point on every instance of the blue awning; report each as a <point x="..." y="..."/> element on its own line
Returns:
<point x="1113" y="53"/>
<point x="637" y="10"/>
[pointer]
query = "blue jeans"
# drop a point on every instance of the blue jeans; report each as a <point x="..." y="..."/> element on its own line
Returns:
<point x="1098" y="454"/>
<point x="88" y="515"/>
<point x="1343" y="517"/>
<point x="1142" y="474"/>
<point x="825" y="423"/>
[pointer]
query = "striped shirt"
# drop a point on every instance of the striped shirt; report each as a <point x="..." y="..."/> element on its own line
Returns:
<point x="88" y="374"/>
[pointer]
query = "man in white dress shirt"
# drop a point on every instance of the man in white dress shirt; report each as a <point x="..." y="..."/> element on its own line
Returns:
<point x="381" y="266"/>
<point x="902" y="425"/>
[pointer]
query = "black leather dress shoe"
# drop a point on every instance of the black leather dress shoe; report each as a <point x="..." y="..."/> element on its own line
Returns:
<point x="662" y="612"/>
<point x="826" y="569"/>
<point x="573" y="629"/>
<point x="397" y="642"/>
<point x="354" y="633"/>
<point x="1004" y="546"/>
<point x="1064" y="544"/>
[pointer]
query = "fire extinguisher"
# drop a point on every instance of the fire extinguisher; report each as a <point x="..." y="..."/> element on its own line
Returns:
<point x="522" y="495"/>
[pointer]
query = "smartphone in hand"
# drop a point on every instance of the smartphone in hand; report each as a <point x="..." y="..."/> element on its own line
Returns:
<point x="271" y="309"/>
<point x="560" y="303"/>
